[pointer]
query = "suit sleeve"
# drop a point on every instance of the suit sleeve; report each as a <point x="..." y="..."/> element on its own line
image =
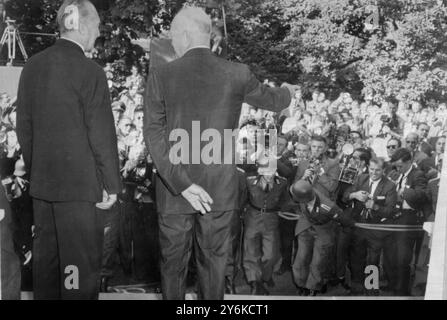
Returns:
<point x="416" y="194"/>
<point x="175" y="177"/>
<point x="261" y="96"/>
<point x="101" y="133"/>
<point x="24" y="123"/>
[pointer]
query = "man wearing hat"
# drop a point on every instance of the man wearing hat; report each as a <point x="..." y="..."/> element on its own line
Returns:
<point x="315" y="232"/>
<point x="266" y="192"/>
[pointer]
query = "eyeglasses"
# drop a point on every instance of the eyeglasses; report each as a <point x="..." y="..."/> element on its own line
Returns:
<point x="391" y="147"/>
<point x="411" y="142"/>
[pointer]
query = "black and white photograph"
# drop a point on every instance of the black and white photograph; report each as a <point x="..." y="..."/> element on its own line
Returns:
<point x="245" y="150"/>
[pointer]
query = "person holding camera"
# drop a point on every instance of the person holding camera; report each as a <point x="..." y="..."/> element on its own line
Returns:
<point x="321" y="171"/>
<point x="373" y="198"/>
<point x="315" y="233"/>
<point x="411" y="187"/>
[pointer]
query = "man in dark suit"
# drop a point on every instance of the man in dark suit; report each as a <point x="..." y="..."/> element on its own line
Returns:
<point x="432" y="166"/>
<point x="424" y="145"/>
<point x="196" y="201"/>
<point x="374" y="200"/>
<point x="66" y="130"/>
<point x="411" y="199"/>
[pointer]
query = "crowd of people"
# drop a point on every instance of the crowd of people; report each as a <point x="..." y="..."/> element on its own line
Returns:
<point x="371" y="167"/>
<point x="342" y="148"/>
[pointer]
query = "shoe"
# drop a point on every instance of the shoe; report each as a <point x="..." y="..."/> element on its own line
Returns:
<point x="104" y="284"/>
<point x="283" y="269"/>
<point x="303" y="292"/>
<point x="313" y="293"/>
<point x="229" y="286"/>
<point x="336" y="281"/>
<point x="345" y="285"/>
<point x="372" y="293"/>
<point x="270" y="283"/>
<point x="258" y="289"/>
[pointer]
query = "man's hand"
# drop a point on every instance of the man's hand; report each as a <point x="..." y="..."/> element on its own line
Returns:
<point x="292" y="88"/>
<point x="199" y="199"/>
<point x="307" y="174"/>
<point x="108" y="200"/>
<point x="361" y="196"/>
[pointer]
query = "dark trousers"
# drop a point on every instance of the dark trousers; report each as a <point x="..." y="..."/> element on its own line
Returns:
<point x="261" y="245"/>
<point x="210" y="236"/>
<point x="234" y="255"/>
<point x="111" y="221"/>
<point x="9" y="261"/>
<point x="287" y="237"/>
<point x="404" y="248"/>
<point x="67" y="250"/>
<point x="367" y="246"/>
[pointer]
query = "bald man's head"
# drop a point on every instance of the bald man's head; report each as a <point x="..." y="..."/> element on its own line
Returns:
<point x="190" y="28"/>
<point x="78" y="20"/>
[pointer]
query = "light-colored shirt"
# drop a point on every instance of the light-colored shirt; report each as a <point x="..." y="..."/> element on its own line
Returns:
<point x="196" y="47"/>
<point x="403" y="182"/>
<point x="373" y="185"/>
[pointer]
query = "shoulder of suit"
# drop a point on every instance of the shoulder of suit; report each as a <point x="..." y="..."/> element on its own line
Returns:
<point x="434" y="180"/>
<point x="240" y="169"/>
<point x="251" y="178"/>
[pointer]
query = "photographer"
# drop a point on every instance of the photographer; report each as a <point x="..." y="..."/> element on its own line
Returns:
<point x="374" y="198"/>
<point x="320" y="171"/>
<point x="411" y="198"/>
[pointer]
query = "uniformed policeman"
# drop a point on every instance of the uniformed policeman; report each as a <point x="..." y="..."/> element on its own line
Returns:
<point x="266" y="191"/>
<point x="315" y="232"/>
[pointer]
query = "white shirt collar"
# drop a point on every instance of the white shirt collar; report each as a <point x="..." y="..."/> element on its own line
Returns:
<point x="197" y="47"/>
<point x="75" y="42"/>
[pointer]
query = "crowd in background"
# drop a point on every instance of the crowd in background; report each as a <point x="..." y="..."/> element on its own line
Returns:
<point x="345" y="132"/>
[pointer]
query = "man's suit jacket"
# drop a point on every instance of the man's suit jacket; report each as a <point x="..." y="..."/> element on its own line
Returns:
<point x="204" y="88"/>
<point x="418" y="157"/>
<point x="426" y="148"/>
<point x="427" y="165"/>
<point x="385" y="197"/>
<point x="65" y="126"/>
<point x="415" y="190"/>
<point x="326" y="183"/>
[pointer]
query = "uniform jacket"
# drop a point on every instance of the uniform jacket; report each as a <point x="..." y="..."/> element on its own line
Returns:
<point x="321" y="218"/>
<point x="327" y="182"/>
<point x="269" y="200"/>
<point x="209" y="90"/>
<point x="65" y="126"/>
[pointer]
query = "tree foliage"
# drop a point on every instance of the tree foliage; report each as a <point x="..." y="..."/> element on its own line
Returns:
<point x="397" y="48"/>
